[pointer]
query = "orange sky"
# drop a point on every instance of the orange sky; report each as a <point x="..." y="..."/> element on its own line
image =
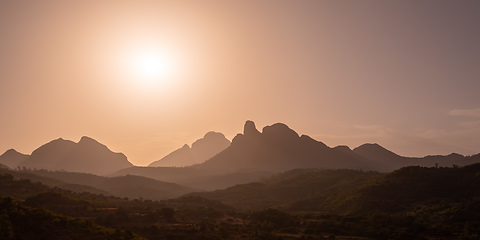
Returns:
<point x="404" y="74"/>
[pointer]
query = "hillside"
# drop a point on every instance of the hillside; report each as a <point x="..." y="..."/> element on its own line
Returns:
<point x="195" y="177"/>
<point x="288" y="187"/>
<point x="125" y="186"/>
<point x="21" y="222"/>
<point x="401" y="190"/>
<point x="39" y="212"/>
<point x="51" y="182"/>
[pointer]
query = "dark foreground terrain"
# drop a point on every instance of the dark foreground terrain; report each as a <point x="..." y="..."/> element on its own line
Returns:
<point x="409" y="203"/>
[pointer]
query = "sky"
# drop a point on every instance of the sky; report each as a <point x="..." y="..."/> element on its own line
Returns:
<point x="147" y="77"/>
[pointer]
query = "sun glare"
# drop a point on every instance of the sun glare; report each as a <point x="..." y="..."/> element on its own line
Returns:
<point x="151" y="66"/>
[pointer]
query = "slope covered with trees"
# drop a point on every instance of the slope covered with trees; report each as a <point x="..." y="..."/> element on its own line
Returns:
<point x="288" y="187"/>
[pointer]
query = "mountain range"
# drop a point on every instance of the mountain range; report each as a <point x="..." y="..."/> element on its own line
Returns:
<point x="213" y="162"/>
<point x="279" y="148"/>
<point x="386" y="160"/>
<point x="254" y="155"/>
<point x="367" y="192"/>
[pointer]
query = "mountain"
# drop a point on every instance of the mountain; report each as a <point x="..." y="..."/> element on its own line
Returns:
<point x="202" y="149"/>
<point x="254" y="155"/>
<point x="12" y="158"/>
<point x="279" y="148"/>
<point x="87" y="156"/>
<point x="387" y="160"/>
<point x="49" y="155"/>
<point x="90" y="156"/>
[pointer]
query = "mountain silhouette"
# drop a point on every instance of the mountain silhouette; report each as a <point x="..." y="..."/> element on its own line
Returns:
<point x="254" y="155"/>
<point x="49" y="155"/>
<point x="202" y="149"/>
<point x="279" y="148"/>
<point x="87" y="156"/>
<point x="387" y="160"/>
<point x="12" y="159"/>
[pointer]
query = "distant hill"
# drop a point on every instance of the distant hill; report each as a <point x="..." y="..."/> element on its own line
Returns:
<point x="279" y="148"/>
<point x="195" y="177"/>
<point x="289" y="187"/>
<point x="125" y="186"/>
<point x="202" y="149"/>
<point x="88" y="156"/>
<point x="401" y="190"/>
<point x="12" y="158"/>
<point x="52" y="182"/>
<point x="387" y="160"/>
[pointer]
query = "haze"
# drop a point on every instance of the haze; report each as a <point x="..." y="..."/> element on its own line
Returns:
<point x="403" y="74"/>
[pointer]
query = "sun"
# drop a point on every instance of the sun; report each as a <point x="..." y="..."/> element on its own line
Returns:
<point x="151" y="66"/>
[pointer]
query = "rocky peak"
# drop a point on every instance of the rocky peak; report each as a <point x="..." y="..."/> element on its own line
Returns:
<point x="250" y="129"/>
<point x="90" y="140"/>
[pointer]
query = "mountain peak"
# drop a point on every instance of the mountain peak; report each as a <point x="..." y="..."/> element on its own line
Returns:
<point x="250" y="129"/>
<point x="372" y="147"/>
<point x="86" y="139"/>
<point x="12" y="158"/>
<point x="12" y="151"/>
<point x="213" y="134"/>
<point x="279" y="130"/>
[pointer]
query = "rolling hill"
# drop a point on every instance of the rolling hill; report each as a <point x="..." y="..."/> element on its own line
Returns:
<point x="129" y="186"/>
<point x="288" y="187"/>
<point x="401" y="190"/>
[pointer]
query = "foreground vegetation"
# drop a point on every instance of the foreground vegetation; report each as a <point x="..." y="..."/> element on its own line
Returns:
<point x="410" y="203"/>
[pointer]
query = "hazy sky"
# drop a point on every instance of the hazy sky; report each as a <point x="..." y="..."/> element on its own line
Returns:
<point x="404" y="74"/>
